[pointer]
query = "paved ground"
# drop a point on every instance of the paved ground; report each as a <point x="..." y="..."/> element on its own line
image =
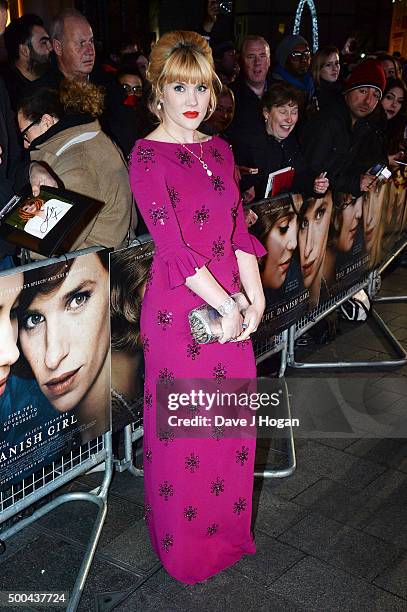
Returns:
<point x="332" y="537"/>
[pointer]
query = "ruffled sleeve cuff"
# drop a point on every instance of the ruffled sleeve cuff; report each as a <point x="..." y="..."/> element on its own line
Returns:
<point x="182" y="263"/>
<point x="249" y="244"/>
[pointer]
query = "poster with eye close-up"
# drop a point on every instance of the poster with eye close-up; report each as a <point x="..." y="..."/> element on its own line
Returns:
<point x="394" y="207"/>
<point x="129" y="277"/>
<point x="54" y="361"/>
<point x="277" y="227"/>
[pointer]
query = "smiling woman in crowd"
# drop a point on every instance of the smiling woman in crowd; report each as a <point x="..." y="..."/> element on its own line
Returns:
<point x="279" y="148"/>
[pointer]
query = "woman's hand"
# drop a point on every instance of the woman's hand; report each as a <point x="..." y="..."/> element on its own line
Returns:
<point x="231" y="326"/>
<point x="40" y="176"/>
<point x="367" y="181"/>
<point x="250" y="217"/>
<point x="252" y="319"/>
<point x="321" y="183"/>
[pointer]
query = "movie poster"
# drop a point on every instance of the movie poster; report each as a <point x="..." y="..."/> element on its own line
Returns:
<point x="394" y="208"/>
<point x="346" y="260"/>
<point x="54" y="361"/>
<point x="374" y="206"/>
<point x="277" y="228"/>
<point x="129" y="274"/>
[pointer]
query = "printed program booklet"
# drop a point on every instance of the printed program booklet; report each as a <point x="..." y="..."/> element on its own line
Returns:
<point x="280" y="181"/>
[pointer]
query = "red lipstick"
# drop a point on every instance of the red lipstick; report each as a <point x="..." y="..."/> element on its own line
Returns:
<point x="191" y="114"/>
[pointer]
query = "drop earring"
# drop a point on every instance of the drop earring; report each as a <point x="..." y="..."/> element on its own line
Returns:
<point x="159" y="106"/>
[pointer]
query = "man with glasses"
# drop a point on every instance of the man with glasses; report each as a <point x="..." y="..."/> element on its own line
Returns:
<point x="28" y="48"/>
<point x="293" y="60"/>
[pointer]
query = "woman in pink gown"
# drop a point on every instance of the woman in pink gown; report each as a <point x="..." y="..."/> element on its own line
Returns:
<point x="198" y="492"/>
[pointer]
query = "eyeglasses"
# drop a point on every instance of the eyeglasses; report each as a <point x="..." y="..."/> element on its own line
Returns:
<point x="296" y="55"/>
<point x="137" y="90"/>
<point x="26" y="130"/>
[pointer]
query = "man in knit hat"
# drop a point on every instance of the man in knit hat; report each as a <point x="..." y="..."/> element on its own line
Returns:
<point x="343" y="139"/>
<point x="293" y="59"/>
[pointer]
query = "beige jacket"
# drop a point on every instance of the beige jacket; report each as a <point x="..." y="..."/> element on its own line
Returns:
<point x="88" y="162"/>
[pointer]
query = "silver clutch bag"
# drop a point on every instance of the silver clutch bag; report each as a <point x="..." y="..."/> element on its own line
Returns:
<point x="206" y="322"/>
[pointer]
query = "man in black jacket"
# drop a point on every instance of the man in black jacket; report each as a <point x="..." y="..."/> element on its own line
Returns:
<point x="343" y="139"/>
<point x="28" y="49"/>
<point x="248" y="90"/>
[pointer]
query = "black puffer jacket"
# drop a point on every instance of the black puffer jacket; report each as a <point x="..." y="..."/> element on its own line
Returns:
<point x="330" y="143"/>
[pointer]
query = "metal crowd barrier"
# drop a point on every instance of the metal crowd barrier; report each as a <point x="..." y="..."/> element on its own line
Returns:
<point x="40" y="485"/>
<point x="284" y="343"/>
<point x="371" y="284"/>
<point x="47" y="480"/>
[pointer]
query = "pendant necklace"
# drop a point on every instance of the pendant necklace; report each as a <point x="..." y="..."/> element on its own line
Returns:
<point x="198" y="157"/>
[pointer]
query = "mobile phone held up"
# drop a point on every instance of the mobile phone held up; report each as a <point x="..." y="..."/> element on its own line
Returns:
<point x="380" y="171"/>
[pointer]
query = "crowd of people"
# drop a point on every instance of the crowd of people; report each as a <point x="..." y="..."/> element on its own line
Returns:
<point x="147" y="131"/>
<point x="79" y="117"/>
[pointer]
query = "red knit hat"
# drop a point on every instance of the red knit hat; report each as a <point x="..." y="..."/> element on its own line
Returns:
<point x="367" y="74"/>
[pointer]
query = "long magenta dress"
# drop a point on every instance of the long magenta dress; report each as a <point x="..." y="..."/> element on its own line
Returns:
<point x="198" y="492"/>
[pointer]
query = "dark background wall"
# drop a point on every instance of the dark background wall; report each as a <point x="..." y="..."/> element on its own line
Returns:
<point x="117" y="20"/>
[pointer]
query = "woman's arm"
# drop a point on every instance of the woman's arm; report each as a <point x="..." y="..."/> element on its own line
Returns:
<point x="204" y="284"/>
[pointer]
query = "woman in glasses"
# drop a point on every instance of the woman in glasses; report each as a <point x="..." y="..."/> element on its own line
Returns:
<point x="132" y="83"/>
<point x="61" y="130"/>
<point x="326" y="67"/>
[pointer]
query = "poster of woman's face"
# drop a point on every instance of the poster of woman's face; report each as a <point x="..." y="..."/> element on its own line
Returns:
<point x="10" y="289"/>
<point x="345" y="258"/>
<point x="374" y="223"/>
<point x="348" y="215"/>
<point x="314" y="222"/>
<point x="129" y="272"/>
<point x="64" y="337"/>
<point x="277" y="228"/>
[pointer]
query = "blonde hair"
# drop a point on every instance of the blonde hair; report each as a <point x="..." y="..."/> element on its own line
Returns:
<point x="80" y="97"/>
<point x="185" y="57"/>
